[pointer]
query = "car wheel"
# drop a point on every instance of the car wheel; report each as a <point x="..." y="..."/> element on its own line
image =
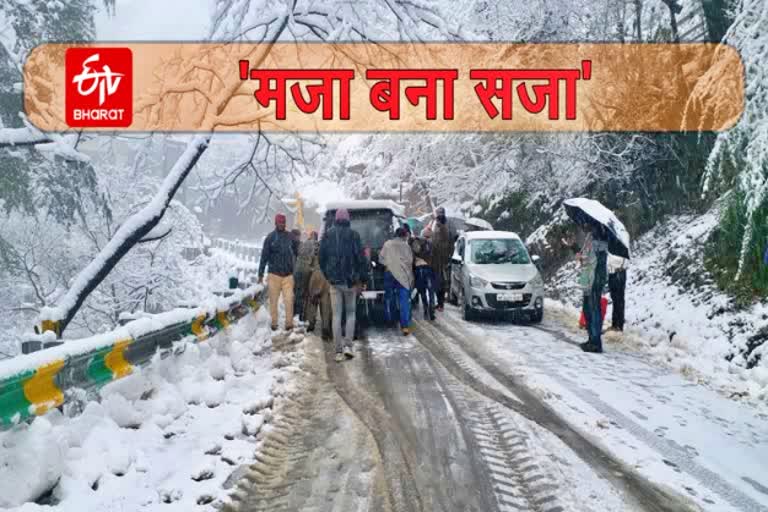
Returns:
<point x="537" y="316"/>
<point x="466" y="310"/>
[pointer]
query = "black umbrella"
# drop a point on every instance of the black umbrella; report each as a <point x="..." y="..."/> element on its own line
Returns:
<point x="588" y="211"/>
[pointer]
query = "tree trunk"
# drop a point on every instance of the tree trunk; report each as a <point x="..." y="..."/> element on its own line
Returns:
<point x="638" y="20"/>
<point x="131" y="232"/>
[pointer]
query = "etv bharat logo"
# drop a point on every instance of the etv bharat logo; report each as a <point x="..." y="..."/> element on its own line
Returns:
<point x="99" y="87"/>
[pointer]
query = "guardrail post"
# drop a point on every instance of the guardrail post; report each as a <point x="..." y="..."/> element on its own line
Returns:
<point x="51" y="325"/>
<point x="27" y="347"/>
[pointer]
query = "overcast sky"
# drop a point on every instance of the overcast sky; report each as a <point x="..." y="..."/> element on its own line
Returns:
<point x="153" y="20"/>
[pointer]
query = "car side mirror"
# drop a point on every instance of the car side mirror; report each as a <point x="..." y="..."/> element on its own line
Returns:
<point x="535" y="258"/>
<point x="456" y="260"/>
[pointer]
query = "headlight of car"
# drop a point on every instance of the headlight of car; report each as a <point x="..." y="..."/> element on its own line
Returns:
<point x="477" y="282"/>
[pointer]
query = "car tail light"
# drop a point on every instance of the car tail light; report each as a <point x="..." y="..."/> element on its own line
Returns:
<point x="367" y="252"/>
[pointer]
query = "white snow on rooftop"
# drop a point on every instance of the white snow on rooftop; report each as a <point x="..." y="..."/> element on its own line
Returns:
<point x="367" y="204"/>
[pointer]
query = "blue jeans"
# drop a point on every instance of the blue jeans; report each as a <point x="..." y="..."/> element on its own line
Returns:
<point x="425" y="284"/>
<point x="396" y="295"/>
<point x="389" y="296"/>
<point x="592" y="313"/>
<point x="343" y="299"/>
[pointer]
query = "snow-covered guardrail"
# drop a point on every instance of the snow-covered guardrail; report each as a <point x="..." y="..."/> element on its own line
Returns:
<point x="33" y="384"/>
<point x="244" y="250"/>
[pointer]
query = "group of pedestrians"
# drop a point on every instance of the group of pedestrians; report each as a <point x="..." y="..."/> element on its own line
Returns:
<point x="416" y="261"/>
<point x="310" y="276"/>
<point x="327" y="276"/>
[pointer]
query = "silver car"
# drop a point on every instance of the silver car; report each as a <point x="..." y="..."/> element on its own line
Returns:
<point x="493" y="272"/>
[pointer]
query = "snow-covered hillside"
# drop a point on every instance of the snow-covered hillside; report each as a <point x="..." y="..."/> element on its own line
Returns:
<point x="676" y="313"/>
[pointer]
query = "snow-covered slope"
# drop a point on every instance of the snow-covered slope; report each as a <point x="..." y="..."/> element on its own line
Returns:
<point x="675" y="312"/>
<point x="167" y="437"/>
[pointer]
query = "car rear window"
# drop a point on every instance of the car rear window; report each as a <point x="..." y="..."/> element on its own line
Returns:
<point x="373" y="226"/>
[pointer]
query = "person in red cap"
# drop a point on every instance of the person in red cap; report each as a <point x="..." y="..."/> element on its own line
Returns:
<point x="278" y="257"/>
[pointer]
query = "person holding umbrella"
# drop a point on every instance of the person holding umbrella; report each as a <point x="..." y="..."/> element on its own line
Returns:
<point x="604" y="233"/>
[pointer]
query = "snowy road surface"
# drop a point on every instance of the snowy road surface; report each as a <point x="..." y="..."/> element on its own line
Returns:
<point x="496" y="417"/>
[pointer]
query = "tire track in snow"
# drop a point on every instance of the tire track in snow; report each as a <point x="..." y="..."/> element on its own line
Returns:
<point x="673" y="454"/>
<point x="265" y="485"/>
<point x="394" y="450"/>
<point x="452" y="345"/>
<point x="514" y="476"/>
<point x="315" y="455"/>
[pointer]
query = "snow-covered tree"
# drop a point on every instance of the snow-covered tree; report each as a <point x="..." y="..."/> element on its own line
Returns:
<point x="267" y="23"/>
<point x="739" y="159"/>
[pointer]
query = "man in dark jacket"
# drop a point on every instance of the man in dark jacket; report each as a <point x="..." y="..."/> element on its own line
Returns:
<point x="278" y="257"/>
<point x="345" y="267"/>
<point x="442" y="250"/>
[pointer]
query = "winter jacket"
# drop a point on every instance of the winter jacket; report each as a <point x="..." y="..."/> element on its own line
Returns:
<point x="589" y="264"/>
<point x="318" y="286"/>
<point x="397" y="256"/>
<point x="422" y="252"/>
<point x="277" y="254"/>
<point x="341" y="256"/>
<point x="307" y="251"/>
<point x="442" y="249"/>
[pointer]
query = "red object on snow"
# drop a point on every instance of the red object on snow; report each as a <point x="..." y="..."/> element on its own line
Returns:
<point x="603" y="311"/>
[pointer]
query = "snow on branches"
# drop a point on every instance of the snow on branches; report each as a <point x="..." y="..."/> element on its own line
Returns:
<point x="745" y="146"/>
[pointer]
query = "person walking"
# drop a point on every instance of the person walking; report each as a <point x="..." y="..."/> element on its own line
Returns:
<point x="307" y="253"/>
<point x="592" y="279"/>
<point x="442" y="250"/>
<point x="345" y="267"/>
<point x="318" y="296"/>
<point x="278" y="257"/>
<point x="296" y="238"/>
<point x="397" y="257"/>
<point x="617" y="284"/>
<point x="425" y="283"/>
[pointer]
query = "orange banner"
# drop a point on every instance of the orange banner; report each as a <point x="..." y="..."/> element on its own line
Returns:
<point x="358" y="87"/>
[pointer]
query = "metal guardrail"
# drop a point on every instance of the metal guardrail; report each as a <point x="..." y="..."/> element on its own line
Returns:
<point x="246" y="251"/>
<point x="33" y="384"/>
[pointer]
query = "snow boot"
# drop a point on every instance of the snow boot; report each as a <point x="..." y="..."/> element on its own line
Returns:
<point x="591" y="348"/>
<point x="348" y="353"/>
<point x="339" y="357"/>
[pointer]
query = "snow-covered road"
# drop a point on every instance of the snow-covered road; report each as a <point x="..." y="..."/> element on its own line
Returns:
<point x="672" y="431"/>
<point x="484" y="416"/>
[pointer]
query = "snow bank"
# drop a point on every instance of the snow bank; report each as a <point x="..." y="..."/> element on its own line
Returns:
<point x="166" y="437"/>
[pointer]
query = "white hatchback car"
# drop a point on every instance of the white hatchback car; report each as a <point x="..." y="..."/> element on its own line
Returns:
<point x="493" y="272"/>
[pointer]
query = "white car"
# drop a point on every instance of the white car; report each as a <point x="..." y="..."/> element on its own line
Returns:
<point x="492" y="272"/>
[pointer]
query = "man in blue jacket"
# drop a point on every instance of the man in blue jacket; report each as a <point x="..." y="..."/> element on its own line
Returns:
<point x="346" y="269"/>
<point x="278" y="257"/>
